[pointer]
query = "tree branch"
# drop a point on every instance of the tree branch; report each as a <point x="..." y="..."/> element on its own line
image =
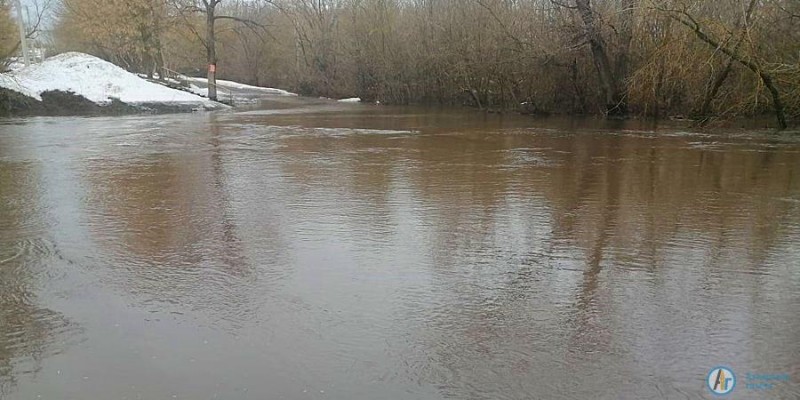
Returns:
<point x="245" y="21"/>
<point x="686" y="19"/>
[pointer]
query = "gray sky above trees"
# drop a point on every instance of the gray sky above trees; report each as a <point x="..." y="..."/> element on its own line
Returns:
<point x="33" y="7"/>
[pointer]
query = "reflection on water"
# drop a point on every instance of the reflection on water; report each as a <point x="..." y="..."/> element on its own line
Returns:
<point x="392" y="253"/>
<point x="28" y="331"/>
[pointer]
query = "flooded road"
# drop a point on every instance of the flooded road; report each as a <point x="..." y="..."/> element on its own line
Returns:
<point x="334" y="251"/>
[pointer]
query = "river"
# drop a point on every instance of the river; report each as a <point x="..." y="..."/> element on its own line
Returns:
<point x="332" y="251"/>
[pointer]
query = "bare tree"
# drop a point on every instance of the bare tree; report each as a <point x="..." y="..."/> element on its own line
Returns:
<point x="611" y="76"/>
<point x="10" y="42"/>
<point x="616" y="57"/>
<point x="754" y="64"/>
<point x="209" y="8"/>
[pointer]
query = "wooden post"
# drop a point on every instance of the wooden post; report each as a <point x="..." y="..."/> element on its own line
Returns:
<point x="211" y="43"/>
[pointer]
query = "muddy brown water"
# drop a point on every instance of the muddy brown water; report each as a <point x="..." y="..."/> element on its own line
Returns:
<point x="330" y="251"/>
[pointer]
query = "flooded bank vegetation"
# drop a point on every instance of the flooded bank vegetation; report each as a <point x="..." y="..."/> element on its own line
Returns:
<point x="698" y="59"/>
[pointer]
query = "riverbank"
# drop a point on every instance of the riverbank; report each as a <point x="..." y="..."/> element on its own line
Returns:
<point x="80" y="84"/>
<point x="59" y="103"/>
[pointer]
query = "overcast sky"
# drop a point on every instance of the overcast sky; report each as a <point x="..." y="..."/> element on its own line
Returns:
<point x="34" y="5"/>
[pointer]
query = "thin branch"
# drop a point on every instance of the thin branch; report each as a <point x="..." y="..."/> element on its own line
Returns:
<point x="245" y="21"/>
<point x="508" y="33"/>
<point x="560" y="4"/>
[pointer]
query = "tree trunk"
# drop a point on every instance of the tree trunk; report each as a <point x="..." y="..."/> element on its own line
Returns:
<point x="608" y="82"/>
<point x="211" y="50"/>
<point x="147" y="64"/>
<point x="622" y="64"/>
<point x="705" y="110"/>
<point x="752" y="65"/>
<point x="158" y="57"/>
<point x="578" y="98"/>
<point x="777" y="104"/>
<point x="711" y="94"/>
<point x="162" y="76"/>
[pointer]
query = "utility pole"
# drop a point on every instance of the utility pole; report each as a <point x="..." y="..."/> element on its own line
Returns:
<point x="22" y="34"/>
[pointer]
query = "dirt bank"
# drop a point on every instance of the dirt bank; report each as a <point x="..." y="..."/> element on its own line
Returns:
<point x="60" y="103"/>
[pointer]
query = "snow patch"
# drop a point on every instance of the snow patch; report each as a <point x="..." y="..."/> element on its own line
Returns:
<point x="236" y="86"/>
<point x="95" y="79"/>
<point x="351" y="100"/>
<point x="198" y="90"/>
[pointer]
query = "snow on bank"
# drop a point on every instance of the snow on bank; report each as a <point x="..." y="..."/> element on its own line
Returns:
<point x="230" y="85"/>
<point x="97" y="80"/>
<point x="351" y="100"/>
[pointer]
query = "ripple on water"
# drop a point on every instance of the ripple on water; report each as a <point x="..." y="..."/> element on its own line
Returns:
<point x="29" y="331"/>
<point x="469" y="264"/>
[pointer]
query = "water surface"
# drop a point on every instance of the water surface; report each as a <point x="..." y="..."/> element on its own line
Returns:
<point x="315" y="251"/>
